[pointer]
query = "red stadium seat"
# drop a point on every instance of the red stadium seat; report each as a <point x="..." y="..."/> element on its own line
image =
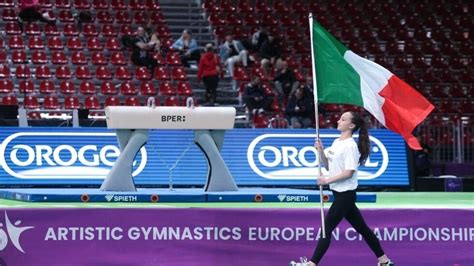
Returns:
<point x="112" y="44"/>
<point x="119" y="4"/>
<point x="112" y="101"/>
<point x="87" y="87"/>
<point x="261" y="6"/>
<point x="227" y="6"/>
<point x="100" y="4"/>
<point x="162" y="73"/>
<point x="74" y="43"/>
<point x="122" y="73"/>
<point x="31" y="102"/>
<point x="126" y="29"/>
<point x="43" y="72"/>
<point x="245" y="7"/>
<point x="47" y="87"/>
<point x="166" y="88"/>
<point x="178" y="73"/>
<point x="26" y="86"/>
<point x="55" y="43"/>
<point x="9" y="14"/>
<point x="12" y="28"/>
<point x="22" y="72"/>
<point x="89" y="30"/>
<point x="32" y="29"/>
<point x="6" y="86"/>
<point x="98" y="58"/>
<point x="51" y="30"/>
<point x="127" y="88"/>
<point x="108" y="30"/>
<point x="19" y="57"/>
<point x="117" y="58"/>
<point x="51" y="102"/>
<point x="147" y="88"/>
<point x="260" y="120"/>
<point x="16" y="42"/>
<point x="78" y="58"/>
<point x="67" y="87"/>
<point x="184" y="88"/>
<point x="173" y="59"/>
<point x="7" y="3"/>
<point x="142" y="73"/>
<point x="71" y="102"/>
<point x="63" y="72"/>
<point x="9" y="100"/>
<point x="91" y="102"/>
<point x="136" y="5"/>
<point x="70" y="30"/>
<point x="94" y="44"/>
<point x="58" y="58"/>
<point x="39" y="57"/>
<point x="140" y="17"/>
<point x="132" y="101"/>
<point x="82" y="72"/>
<point x="108" y="88"/>
<point x="104" y="16"/>
<point x="171" y="101"/>
<point x="66" y="16"/>
<point x="4" y="71"/>
<point x="241" y="75"/>
<point x="157" y="18"/>
<point x="103" y="73"/>
<point x="122" y="17"/>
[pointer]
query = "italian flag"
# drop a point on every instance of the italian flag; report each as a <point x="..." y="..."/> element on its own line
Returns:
<point x="343" y="77"/>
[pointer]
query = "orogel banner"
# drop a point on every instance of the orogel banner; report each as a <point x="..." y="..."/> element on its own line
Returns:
<point x="227" y="237"/>
<point x="84" y="156"/>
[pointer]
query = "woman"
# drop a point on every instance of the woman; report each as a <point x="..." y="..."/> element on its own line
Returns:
<point x="342" y="160"/>
<point x="209" y="70"/>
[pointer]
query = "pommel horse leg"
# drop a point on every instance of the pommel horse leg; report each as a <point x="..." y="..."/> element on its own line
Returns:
<point x="120" y="176"/>
<point x="218" y="175"/>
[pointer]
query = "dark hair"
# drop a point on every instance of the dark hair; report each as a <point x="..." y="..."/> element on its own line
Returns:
<point x="363" y="143"/>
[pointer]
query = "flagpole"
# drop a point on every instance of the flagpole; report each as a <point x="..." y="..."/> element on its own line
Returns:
<point x="316" y="113"/>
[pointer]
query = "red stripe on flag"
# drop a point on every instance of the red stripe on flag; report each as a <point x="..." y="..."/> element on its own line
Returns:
<point x="404" y="108"/>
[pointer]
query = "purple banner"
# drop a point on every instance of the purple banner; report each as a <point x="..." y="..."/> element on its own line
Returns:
<point x="227" y="237"/>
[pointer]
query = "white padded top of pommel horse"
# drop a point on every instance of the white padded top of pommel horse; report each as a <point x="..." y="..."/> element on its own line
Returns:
<point x="169" y="117"/>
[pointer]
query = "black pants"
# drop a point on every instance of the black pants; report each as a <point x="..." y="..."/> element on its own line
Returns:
<point x="344" y="207"/>
<point x="193" y="56"/>
<point x="210" y="82"/>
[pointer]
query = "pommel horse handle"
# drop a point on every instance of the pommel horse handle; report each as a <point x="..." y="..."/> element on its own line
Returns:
<point x="132" y="124"/>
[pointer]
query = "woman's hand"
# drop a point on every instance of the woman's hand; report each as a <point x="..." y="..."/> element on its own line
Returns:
<point x="318" y="145"/>
<point x="322" y="181"/>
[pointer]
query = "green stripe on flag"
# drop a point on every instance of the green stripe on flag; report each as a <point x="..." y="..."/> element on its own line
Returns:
<point x="337" y="80"/>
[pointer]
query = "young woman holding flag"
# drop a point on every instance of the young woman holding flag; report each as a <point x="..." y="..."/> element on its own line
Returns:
<point x="342" y="160"/>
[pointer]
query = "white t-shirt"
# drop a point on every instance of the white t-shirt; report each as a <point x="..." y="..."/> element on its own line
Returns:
<point x="343" y="155"/>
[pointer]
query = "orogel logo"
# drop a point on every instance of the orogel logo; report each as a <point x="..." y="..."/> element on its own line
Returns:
<point x="58" y="155"/>
<point x="293" y="156"/>
<point x="11" y="231"/>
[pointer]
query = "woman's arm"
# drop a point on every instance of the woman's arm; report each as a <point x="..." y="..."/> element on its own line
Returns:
<point x="319" y="147"/>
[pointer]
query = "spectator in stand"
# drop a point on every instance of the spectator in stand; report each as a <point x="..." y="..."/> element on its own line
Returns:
<point x="285" y="80"/>
<point x="209" y="71"/>
<point x="30" y="12"/>
<point x="232" y="52"/>
<point x="255" y="97"/>
<point x="422" y="159"/>
<point x="300" y="111"/>
<point x="258" y="38"/>
<point x="142" y="48"/>
<point x="153" y="38"/>
<point x="187" y="48"/>
<point x="269" y="52"/>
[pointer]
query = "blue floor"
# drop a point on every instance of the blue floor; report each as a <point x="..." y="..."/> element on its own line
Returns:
<point x="175" y="195"/>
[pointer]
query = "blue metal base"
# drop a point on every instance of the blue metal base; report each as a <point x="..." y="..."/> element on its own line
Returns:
<point x="176" y="195"/>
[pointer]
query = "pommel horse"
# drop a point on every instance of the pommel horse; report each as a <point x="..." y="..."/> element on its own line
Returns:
<point x="132" y="125"/>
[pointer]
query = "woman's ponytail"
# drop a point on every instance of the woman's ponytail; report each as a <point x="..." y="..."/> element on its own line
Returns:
<point x="363" y="143"/>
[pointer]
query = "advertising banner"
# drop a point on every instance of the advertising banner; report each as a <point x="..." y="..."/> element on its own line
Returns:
<point x="227" y="237"/>
<point x="264" y="157"/>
